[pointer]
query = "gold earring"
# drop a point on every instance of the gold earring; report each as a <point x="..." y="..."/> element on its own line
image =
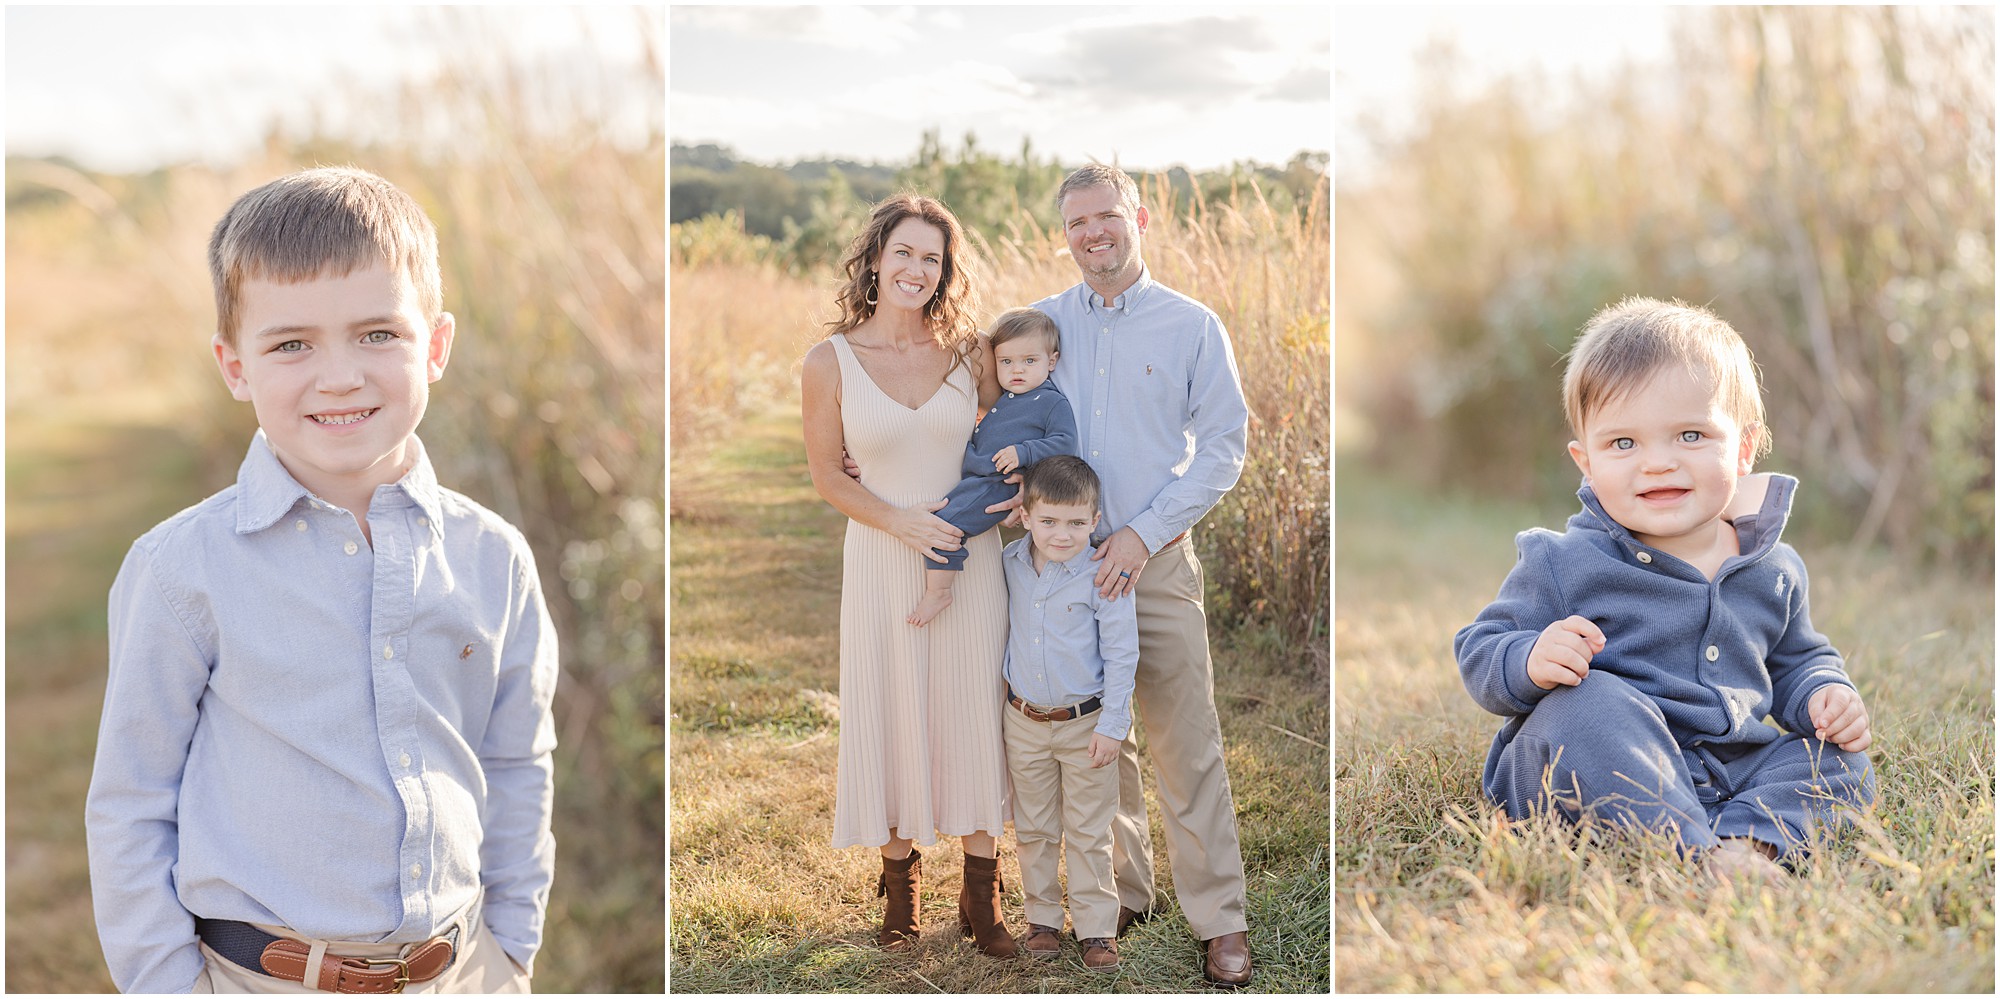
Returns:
<point x="873" y="280"/>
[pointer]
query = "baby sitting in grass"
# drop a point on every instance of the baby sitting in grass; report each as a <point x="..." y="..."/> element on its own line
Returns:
<point x="1637" y="654"/>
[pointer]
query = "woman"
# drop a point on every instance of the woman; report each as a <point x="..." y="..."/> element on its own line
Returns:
<point x="896" y="384"/>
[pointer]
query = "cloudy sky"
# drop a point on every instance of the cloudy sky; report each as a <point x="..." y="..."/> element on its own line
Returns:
<point x="130" y="88"/>
<point x="1150" y="86"/>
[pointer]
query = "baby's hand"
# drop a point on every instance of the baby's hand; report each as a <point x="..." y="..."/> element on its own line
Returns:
<point x="1839" y="717"/>
<point x="1103" y="749"/>
<point x="1562" y="654"/>
<point x="1006" y="460"/>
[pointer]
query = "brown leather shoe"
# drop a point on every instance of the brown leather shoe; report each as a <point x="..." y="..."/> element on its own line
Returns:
<point x="979" y="908"/>
<point x="1228" y="962"/>
<point x="1044" y="943"/>
<point x="1100" y="953"/>
<point x="1128" y="918"/>
<point x="898" y="884"/>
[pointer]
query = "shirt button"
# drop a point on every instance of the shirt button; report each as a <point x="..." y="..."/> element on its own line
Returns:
<point x="1100" y="371"/>
<point x="350" y="548"/>
<point x="1646" y="557"/>
<point x="301" y="524"/>
<point x="416" y="870"/>
<point x="1038" y="639"/>
<point x="388" y="652"/>
<point x="1714" y="653"/>
<point x="406" y="760"/>
<point x="1098" y="412"/>
<point x="423" y="522"/>
<point x="1093" y="454"/>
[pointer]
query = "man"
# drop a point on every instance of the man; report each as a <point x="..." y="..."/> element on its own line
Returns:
<point x="1161" y="418"/>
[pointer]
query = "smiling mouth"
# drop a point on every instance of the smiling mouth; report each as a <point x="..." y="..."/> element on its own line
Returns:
<point x="1098" y="248"/>
<point x="1663" y="495"/>
<point x="342" y="419"/>
<point x="910" y="289"/>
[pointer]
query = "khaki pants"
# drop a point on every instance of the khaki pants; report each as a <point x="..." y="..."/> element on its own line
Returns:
<point x="1063" y="804"/>
<point x="1175" y="702"/>
<point x="481" y="968"/>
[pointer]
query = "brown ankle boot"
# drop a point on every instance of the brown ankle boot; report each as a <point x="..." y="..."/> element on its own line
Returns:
<point x="898" y="884"/>
<point x="979" y="908"/>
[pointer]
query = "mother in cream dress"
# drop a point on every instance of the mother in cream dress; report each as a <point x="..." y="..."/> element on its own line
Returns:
<point x="896" y="385"/>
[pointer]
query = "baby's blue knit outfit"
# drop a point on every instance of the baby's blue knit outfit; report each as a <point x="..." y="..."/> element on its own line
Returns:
<point x="1667" y="730"/>
<point x="1037" y="424"/>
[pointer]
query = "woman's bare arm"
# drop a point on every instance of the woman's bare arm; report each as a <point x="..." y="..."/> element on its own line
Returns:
<point x="987" y="372"/>
<point x="826" y="446"/>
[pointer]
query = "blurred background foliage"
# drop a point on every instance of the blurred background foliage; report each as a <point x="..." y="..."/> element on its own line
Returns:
<point x="552" y="414"/>
<point x="754" y="250"/>
<point x="1821" y="178"/>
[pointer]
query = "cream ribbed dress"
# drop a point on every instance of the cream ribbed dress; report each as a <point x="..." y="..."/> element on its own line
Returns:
<point x="920" y="749"/>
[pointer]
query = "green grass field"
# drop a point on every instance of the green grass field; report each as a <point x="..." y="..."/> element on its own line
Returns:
<point x="760" y="902"/>
<point x="1436" y="894"/>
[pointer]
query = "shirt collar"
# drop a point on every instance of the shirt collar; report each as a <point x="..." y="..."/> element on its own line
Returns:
<point x="269" y="492"/>
<point x="1125" y="302"/>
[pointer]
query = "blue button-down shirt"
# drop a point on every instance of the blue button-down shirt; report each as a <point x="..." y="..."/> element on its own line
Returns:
<point x="1065" y="643"/>
<point x="303" y="730"/>
<point x="1159" y="408"/>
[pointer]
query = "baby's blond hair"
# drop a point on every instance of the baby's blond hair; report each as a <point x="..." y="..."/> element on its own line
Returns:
<point x="1623" y="345"/>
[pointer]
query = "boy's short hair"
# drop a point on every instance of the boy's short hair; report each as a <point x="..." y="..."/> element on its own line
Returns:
<point x="329" y="220"/>
<point x="1014" y="324"/>
<point x="1062" y="478"/>
<point x="1093" y="174"/>
<point x="1623" y="345"/>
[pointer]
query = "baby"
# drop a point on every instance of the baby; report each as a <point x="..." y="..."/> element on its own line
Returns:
<point x="1637" y="654"/>
<point x="1030" y="421"/>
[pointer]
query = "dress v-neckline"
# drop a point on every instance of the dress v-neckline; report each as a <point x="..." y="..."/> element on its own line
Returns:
<point x="884" y="393"/>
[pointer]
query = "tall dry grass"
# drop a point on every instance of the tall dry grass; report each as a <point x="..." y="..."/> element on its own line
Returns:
<point x="1820" y="177"/>
<point x="551" y="234"/>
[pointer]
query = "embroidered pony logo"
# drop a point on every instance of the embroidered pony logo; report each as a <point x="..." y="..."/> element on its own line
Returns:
<point x="1780" y="590"/>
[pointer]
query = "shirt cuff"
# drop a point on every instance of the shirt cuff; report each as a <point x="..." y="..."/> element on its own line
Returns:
<point x="1152" y="532"/>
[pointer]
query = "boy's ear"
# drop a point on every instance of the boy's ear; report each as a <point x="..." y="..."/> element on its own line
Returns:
<point x="231" y="363"/>
<point x="438" y="352"/>
<point x="1581" y="457"/>
<point x="1746" y="448"/>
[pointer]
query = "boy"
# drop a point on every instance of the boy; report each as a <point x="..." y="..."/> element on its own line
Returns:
<point x="1638" y="653"/>
<point x="324" y="760"/>
<point x="1030" y="421"/>
<point x="1071" y="657"/>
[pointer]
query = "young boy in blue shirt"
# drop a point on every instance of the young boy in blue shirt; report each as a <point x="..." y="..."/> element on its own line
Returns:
<point x="324" y="758"/>
<point x="1071" y="656"/>
<point x="1029" y="422"/>
<point x="1637" y="654"/>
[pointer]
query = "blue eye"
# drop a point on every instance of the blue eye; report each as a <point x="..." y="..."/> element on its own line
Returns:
<point x="1690" y="437"/>
<point x="289" y="347"/>
<point x="1622" y="444"/>
<point x="379" y="336"/>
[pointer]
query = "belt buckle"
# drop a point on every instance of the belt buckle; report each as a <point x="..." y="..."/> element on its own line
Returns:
<point x="402" y="967"/>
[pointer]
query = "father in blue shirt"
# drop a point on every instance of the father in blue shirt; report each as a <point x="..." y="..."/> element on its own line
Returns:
<point x="1160" y="417"/>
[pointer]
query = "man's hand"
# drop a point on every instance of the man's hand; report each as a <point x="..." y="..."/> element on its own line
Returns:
<point x="1839" y="717"/>
<point x="1562" y="655"/>
<point x="1006" y="459"/>
<point x="1103" y="749"/>
<point x="1011" y="507"/>
<point x="1118" y="563"/>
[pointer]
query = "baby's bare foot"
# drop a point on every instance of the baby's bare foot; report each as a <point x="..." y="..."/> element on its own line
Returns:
<point x="1744" y="862"/>
<point x="933" y="603"/>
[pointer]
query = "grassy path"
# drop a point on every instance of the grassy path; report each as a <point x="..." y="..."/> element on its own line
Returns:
<point x="761" y="903"/>
<point x="1435" y="895"/>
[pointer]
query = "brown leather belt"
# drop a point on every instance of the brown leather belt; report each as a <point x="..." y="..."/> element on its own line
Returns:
<point x="1056" y="715"/>
<point x="286" y="959"/>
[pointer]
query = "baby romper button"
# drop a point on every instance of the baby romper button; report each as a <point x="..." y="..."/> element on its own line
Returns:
<point x="1713" y="653"/>
<point x="1646" y="557"/>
